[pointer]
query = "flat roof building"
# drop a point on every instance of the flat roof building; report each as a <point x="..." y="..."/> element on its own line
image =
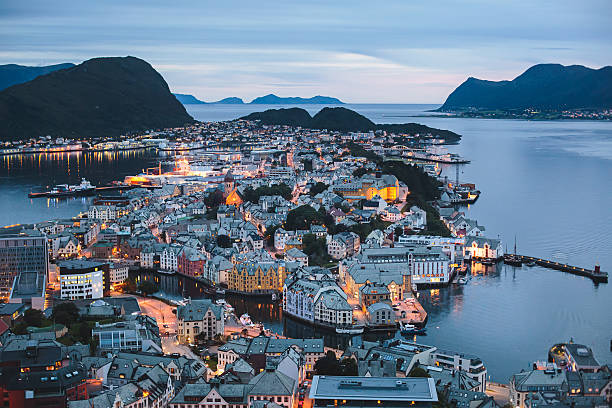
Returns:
<point x="372" y="391"/>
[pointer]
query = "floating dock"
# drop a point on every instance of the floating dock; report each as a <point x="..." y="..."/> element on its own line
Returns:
<point x="595" y="274"/>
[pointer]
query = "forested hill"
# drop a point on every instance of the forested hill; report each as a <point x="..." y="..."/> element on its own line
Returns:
<point x="343" y="120"/>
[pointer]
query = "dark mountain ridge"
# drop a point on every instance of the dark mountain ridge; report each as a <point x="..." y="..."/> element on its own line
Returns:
<point x="342" y="120"/>
<point x="13" y="74"/>
<point x="100" y="97"/>
<point x="543" y="86"/>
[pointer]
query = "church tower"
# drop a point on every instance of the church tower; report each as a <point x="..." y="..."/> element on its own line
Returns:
<point x="228" y="184"/>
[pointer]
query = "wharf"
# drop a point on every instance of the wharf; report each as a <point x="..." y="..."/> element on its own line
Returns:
<point x="89" y="192"/>
<point x="410" y="311"/>
<point x="596" y="275"/>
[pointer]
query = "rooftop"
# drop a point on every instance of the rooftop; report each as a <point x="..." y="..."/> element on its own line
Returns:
<point x="374" y="388"/>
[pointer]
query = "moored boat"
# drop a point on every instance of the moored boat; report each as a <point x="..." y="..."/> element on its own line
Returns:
<point x="349" y="330"/>
<point x="407" y="328"/>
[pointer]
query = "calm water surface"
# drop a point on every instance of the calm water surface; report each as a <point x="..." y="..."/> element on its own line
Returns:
<point x="547" y="183"/>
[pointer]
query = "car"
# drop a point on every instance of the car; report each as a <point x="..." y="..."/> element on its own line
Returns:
<point x="356" y="307"/>
<point x="166" y="326"/>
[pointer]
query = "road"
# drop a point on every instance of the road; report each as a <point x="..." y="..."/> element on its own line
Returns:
<point x="499" y="392"/>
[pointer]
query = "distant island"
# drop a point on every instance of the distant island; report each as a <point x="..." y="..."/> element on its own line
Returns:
<point x="100" y="97"/>
<point x="13" y="74"/>
<point x="272" y="99"/>
<point x="343" y="120"/>
<point x="187" y="99"/>
<point x="543" y="89"/>
<point x="269" y="99"/>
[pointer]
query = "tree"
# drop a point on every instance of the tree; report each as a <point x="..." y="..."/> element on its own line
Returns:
<point x="65" y="313"/>
<point x="224" y="241"/>
<point x="269" y="235"/>
<point x="318" y="188"/>
<point x="214" y="199"/>
<point x="130" y="285"/>
<point x="418" y="372"/>
<point x="302" y="217"/>
<point x="360" y="172"/>
<point x="330" y="365"/>
<point x="147" y="288"/>
<point x="398" y="232"/>
<point x="34" y="317"/>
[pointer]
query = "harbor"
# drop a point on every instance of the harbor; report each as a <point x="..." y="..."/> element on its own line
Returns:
<point x="595" y="274"/>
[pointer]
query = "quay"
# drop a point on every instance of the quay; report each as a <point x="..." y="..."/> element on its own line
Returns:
<point x="595" y="274"/>
<point x="90" y="192"/>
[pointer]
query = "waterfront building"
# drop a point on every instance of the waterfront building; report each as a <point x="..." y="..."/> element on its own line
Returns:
<point x="257" y="277"/>
<point x="482" y="248"/>
<point x="83" y="279"/>
<point x="380" y="314"/>
<point x="374" y="292"/>
<point x="21" y="251"/>
<point x="372" y="391"/>
<point x="118" y="272"/>
<point x="451" y="246"/>
<point x="580" y="358"/>
<point x="316" y="298"/>
<point x="191" y="262"/>
<point x="552" y="381"/>
<point x="199" y="319"/>
<point x="470" y="364"/>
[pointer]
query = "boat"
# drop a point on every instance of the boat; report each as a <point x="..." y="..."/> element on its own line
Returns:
<point x="407" y="328"/>
<point x="349" y="330"/>
<point x="274" y="297"/>
<point x="245" y="320"/>
<point x="513" y="259"/>
<point x="220" y="291"/>
<point x="162" y="271"/>
<point x="530" y="263"/>
<point x="488" y="262"/>
<point x="65" y="190"/>
<point x="463" y="281"/>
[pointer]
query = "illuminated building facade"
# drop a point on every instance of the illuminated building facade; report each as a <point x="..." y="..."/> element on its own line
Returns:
<point x="386" y="186"/>
<point x="257" y="278"/>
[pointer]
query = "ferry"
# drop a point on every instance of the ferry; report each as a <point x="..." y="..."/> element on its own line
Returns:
<point x="65" y="190"/>
<point x="349" y="330"/>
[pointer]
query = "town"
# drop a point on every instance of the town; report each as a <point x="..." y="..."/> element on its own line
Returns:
<point x="341" y="228"/>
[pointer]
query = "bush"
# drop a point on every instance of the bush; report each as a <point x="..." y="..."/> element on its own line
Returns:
<point x="65" y="313"/>
<point x="147" y="288"/>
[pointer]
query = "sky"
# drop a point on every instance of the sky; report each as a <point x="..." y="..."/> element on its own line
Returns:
<point x="406" y="51"/>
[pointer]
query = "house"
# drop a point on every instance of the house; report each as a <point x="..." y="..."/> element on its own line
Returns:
<point x="343" y="245"/>
<point x="295" y="255"/>
<point x="380" y="314"/>
<point x="482" y="248"/>
<point x="199" y="319"/>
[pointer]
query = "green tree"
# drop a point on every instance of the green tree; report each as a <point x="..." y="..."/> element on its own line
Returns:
<point x="318" y="188"/>
<point x="34" y="317"/>
<point x="224" y="241"/>
<point x="418" y="372"/>
<point x="147" y="288"/>
<point x="302" y="217"/>
<point x="360" y="172"/>
<point x="65" y="313"/>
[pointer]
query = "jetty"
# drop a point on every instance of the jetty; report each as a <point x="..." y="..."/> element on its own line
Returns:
<point x="596" y="274"/>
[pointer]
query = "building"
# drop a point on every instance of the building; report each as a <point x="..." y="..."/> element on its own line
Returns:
<point x="372" y="391"/>
<point x="470" y="364"/>
<point x="553" y="381"/>
<point x="257" y="278"/>
<point x="199" y="319"/>
<point x="134" y="333"/>
<point x="191" y="262"/>
<point x="40" y="373"/>
<point x="343" y="245"/>
<point x="380" y="314"/>
<point x="386" y="186"/>
<point x="118" y="272"/>
<point x="21" y="251"/>
<point x="82" y="279"/>
<point x="482" y="248"/>
<point x="371" y="293"/>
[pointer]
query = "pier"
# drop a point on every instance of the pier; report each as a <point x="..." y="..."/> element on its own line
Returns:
<point x="596" y="275"/>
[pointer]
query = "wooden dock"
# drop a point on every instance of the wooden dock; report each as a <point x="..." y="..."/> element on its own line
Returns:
<point x="596" y="275"/>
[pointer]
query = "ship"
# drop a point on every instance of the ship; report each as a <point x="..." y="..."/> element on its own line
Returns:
<point x="407" y="328"/>
<point x="64" y="190"/>
<point x="349" y="330"/>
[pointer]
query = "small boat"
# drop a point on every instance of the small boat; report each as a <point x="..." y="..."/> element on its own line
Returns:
<point x="513" y="260"/>
<point x="407" y="328"/>
<point x="462" y="281"/>
<point x="245" y="320"/>
<point x="274" y="297"/>
<point x="487" y="262"/>
<point x="349" y="330"/>
<point x="530" y="263"/>
<point x="162" y="271"/>
<point x="220" y="291"/>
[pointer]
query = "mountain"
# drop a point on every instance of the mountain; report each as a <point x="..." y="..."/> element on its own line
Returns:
<point x="342" y="120"/>
<point x="272" y="99"/>
<point x="13" y="74"/>
<point x="100" y="97"/>
<point x="230" y="100"/>
<point x="544" y="86"/>
<point x="187" y="99"/>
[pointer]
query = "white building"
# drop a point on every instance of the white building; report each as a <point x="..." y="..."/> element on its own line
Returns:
<point x="483" y="248"/>
<point x="118" y="272"/>
<point x="81" y="279"/>
<point x="343" y="245"/>
<point x="168" y="260"/>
